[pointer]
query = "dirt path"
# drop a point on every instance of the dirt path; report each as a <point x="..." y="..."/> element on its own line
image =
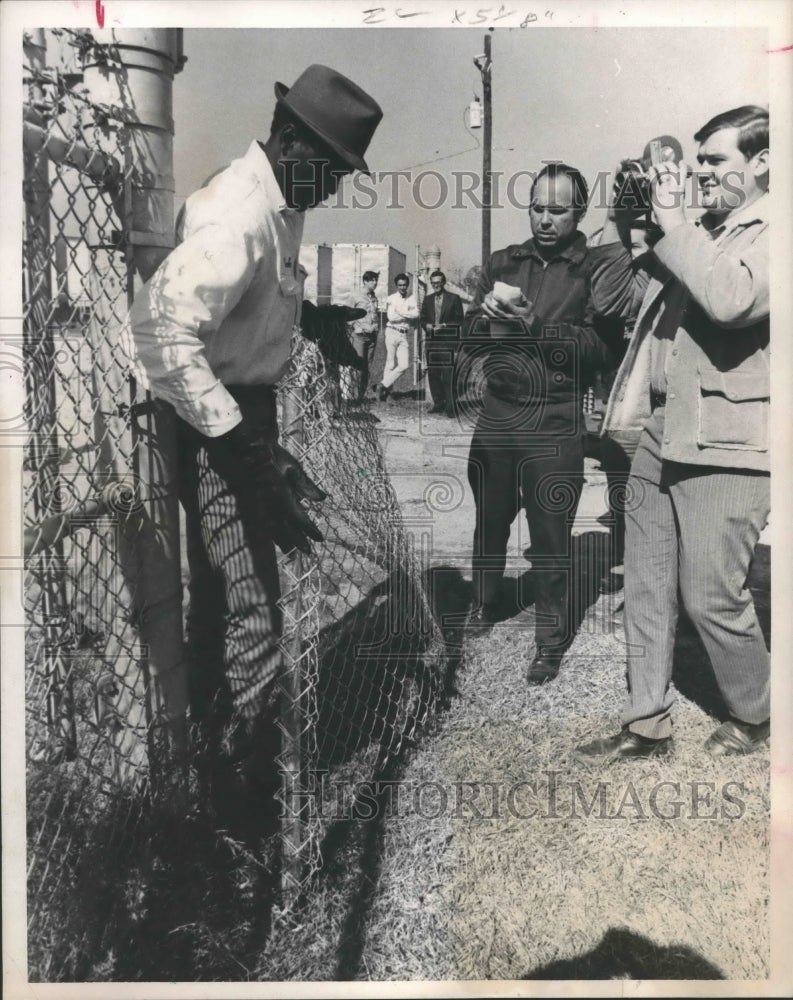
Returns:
<point x="426" y="456"/>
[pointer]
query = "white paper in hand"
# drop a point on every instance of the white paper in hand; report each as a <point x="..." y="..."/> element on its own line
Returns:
<point x="509" y="295"/>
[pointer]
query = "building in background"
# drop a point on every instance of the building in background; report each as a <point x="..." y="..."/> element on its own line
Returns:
<point x="334" y="274"/>
<point x="334" y="270"/>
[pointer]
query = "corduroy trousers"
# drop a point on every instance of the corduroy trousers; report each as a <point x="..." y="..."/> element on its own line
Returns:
<point x="691" y="531"/>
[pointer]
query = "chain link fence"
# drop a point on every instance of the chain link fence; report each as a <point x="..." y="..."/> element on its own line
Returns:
<point x="88" y="698"/>
<point x="363" y="658"/>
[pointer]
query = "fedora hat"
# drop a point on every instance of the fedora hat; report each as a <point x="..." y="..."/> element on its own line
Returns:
<point x="336" y="109"/>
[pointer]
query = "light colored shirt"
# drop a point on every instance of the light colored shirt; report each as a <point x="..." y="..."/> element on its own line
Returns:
<point x="370" y="323"/>
<point x="401" y="312"/>
<point x="221" y="308"/>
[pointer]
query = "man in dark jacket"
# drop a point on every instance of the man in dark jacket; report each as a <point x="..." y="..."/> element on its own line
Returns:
<point x="534" y="320"/>
<point x="441" y="318"/>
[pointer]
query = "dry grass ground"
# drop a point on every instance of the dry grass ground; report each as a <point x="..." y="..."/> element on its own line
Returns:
<point x="506" y="896"/>
<point x="646" y="870"/>
<point x="499" y="856"/>
<point x="641" y="870"/>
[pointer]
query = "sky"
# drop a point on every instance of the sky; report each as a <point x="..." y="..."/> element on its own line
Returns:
<point x="589" y="95"/>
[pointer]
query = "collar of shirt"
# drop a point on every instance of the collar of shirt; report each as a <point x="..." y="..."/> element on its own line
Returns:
<point x="256" y="160"/>
<point x="758" y="211"/>
<point x="574" y="252"/>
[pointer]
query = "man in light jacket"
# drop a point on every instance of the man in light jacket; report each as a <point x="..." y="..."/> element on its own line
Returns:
<point x="694" y="387"/>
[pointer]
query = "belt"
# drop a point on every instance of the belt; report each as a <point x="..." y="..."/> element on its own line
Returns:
<point x="399" y="329"/>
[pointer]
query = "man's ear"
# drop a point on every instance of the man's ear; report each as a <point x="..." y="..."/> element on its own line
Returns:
<point x="287" y="139"/>
<point x="761" y="163"/>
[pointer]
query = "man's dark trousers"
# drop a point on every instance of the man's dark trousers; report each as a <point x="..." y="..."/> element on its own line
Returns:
<point x="511" y="467"/>
<point x="234" y="620"/>
<point x="440" y="353"/>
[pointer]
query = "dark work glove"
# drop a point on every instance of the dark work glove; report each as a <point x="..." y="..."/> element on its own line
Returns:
<point x="326" y="326"/>
<point x="273" y="479"/>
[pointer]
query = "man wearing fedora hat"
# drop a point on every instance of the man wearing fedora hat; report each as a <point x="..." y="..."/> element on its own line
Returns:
<point x="213" y="328"/>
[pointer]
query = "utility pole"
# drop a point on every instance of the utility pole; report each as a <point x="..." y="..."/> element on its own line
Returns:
<point x="483" y="64"/>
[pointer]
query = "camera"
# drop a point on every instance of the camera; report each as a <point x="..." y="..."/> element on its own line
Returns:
<point x="632" y="184"/>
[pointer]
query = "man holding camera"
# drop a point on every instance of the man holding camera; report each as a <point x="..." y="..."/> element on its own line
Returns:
<point x="213" y="331"/>
<point x="694" y="385"/>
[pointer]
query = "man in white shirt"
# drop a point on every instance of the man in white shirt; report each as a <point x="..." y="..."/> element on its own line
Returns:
<point x="402" y="316"/>
<point x="212" y="330"/>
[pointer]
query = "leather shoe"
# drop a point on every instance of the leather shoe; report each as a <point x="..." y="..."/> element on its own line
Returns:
<point x="734" y="737"/>
<point x="611" y="583"/>
<point x="481" y="620"/>
<point x="624" y="746"/>
<point x="382" y="393"/>
<point x="544" y="667"/>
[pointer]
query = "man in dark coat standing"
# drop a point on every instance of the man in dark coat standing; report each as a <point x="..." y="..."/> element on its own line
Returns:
<point x="533" y="320"/>
<point x="441" y="319"/>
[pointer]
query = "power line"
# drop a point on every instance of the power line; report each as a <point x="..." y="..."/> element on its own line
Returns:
<point x="449" y="156"/>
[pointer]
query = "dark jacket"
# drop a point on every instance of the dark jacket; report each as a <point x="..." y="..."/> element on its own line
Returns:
<point x="552" y="357"/>
<point x="451" y="309"/>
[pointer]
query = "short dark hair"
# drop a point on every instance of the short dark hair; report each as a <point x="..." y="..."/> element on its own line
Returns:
<point x="402" y="277"/>
<point x="752" y="122"/>
<point x="438" y="274"/>
<point x="370" y="276"/>
<point x="576" y="178"/>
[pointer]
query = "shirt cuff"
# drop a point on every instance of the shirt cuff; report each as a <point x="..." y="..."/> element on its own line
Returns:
<point x="213" y="414"/>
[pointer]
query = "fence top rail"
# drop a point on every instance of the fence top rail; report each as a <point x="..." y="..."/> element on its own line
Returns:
<point x="98" y="166"/>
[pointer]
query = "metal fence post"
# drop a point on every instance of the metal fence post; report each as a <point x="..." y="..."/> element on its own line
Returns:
<point x="293" y="437"/>
<point x="132" y="70"/>
<point x="43" y="447"/>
